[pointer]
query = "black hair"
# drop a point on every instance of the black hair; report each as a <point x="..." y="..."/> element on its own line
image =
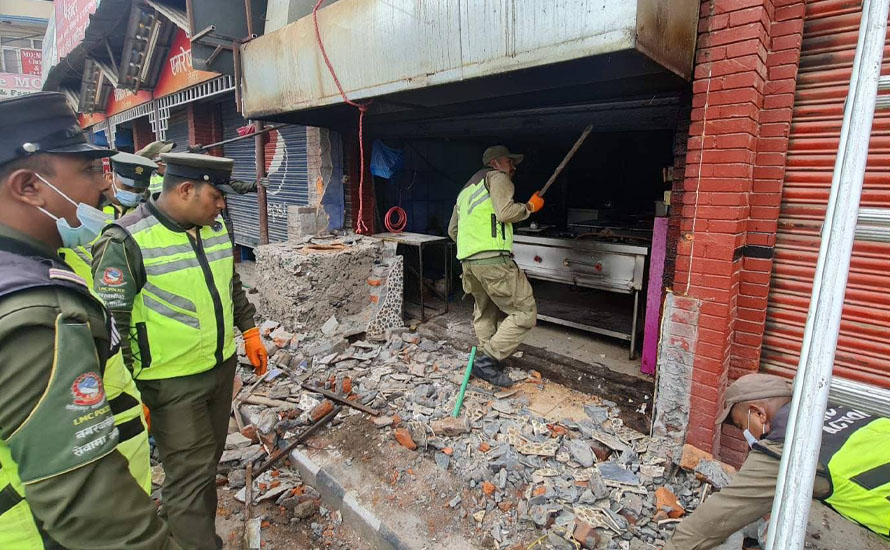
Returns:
<point x="39" y="162"/>
<point x="172" y="182"/>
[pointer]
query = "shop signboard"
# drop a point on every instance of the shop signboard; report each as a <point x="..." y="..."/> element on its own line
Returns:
<point x="72" y="18"/>
<point x="178" y="72"/>
<point x="121" y="100"/>
<point x="12" y="85"/>
<point x="31" y="61"/>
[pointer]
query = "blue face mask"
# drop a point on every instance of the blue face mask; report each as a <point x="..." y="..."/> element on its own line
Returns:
<point x="92" y="221"/>
<point x="126" y="198"/>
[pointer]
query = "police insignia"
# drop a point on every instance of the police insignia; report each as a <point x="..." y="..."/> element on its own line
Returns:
<point x="113" y="276"/>
<point x="87" y="389"/>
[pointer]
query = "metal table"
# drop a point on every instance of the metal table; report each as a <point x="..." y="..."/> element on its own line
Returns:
<point x="421" y="241"/>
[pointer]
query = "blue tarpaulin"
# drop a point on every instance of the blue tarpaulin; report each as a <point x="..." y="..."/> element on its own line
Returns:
<point x="385" y="161"/>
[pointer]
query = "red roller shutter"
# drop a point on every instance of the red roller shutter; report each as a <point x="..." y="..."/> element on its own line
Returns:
<point x="863" y="353"/>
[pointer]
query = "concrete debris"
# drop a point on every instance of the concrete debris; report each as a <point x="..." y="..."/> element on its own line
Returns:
<point x="587" y="481"/>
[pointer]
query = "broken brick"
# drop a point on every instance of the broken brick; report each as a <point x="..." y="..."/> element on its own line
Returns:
<point x="347" y="386"/>
<point x="448" y="451"/>
<point x="249" y="432"/>
<point x="450" y="426"/>
<point x="484" y="447"/>
<point x="488" y="488"/>
<point x="585" y="534"/>
<point x="321" y="410"/>
<point x="539" y="490"/>
<point x="666" y="500"/>
<point x="404" y="438"/>
<point x="692" y="455"/>
<point x="505" y="506"/>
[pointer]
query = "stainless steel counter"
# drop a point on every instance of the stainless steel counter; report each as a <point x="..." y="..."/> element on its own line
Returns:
<point x="604" y="266"/>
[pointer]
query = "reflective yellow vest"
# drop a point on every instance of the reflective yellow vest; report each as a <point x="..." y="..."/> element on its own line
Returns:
<point x="120" y="390"/>
<point x="478" y="229"/>
<point x="183" y="317"/>
<point x="156" y="183"/>
<point x="855" y="453"/>
<point x="855" y="458"/>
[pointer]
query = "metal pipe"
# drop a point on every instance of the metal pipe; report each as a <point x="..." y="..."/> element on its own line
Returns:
<point x="236" y="63"/>
<point x="249" y="15"/>
<point x="260" y="188"/>
<point x="797" y="469"/>
<point x="201" y="34"/>
<point x="201" y="148"/>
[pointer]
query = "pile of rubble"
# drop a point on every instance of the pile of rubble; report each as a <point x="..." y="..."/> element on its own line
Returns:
<point x="591" y="483"/>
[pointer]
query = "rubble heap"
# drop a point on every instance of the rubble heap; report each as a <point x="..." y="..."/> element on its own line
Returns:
<point x="302" y="284"/>
<point x="594" y="483"/>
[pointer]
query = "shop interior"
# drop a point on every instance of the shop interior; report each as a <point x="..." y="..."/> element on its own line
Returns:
<point x="587" y="252"/>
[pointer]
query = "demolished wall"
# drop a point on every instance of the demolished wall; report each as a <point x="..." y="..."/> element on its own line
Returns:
<point x="336" y="284"/>
<point x="676" y="354"/>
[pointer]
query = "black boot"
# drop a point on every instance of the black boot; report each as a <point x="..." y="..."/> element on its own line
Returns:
<point x="488" y="369"/>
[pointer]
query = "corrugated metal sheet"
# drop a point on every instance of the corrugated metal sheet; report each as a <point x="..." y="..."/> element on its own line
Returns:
<point x="286" y="167"/>
<point x="178" y="130"/>
<point x="380" y="48"/>
<point x="863" y="351"/>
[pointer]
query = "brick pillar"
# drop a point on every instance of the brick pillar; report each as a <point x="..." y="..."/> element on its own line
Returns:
<point x="142" y="133"/>
<point x="205" y="125"/>
<point x="730" y="196"/>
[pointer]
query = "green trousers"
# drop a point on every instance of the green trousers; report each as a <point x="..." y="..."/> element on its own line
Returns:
<point x="189" y="421"/>
<point x="505" y="306"/>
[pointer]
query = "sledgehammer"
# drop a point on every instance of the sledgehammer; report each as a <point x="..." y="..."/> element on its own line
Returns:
<point x="566" y="160"/>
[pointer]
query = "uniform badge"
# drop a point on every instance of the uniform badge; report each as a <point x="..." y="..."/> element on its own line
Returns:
<point x="139" y="170"/>
<point x="87" y="389"/>
<point x="113" y="276"/>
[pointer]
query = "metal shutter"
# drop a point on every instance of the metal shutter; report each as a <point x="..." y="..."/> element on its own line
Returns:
<point x="863" y="351"/>
<point x="286" y="166"/>
<point x="178" y="129"/>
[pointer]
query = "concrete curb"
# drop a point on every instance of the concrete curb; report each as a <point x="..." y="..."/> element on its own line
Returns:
<point x="335" y="497"/>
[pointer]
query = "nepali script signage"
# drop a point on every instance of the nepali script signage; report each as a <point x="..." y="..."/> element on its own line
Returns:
<point x="72" y="18"/>
<point x="178" y="72"/>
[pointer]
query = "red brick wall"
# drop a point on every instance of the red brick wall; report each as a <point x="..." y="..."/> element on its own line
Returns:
<point x="142" y="133"/>
<point x="743" y="92"/>
<point x="205" y="125"/>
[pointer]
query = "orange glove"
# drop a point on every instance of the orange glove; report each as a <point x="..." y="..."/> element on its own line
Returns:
<point x="256" y="351"/>
<point x="535" y="203"/>
<point x="147" y="416"/>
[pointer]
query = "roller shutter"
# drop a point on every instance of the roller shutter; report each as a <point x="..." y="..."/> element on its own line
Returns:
<point x="178" y="130"/>
<point x="863" y="351"/>
<point x="286" y="166"/>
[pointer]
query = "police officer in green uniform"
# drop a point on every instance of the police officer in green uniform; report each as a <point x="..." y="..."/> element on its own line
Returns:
<point x="166" y="271"/>
<point x="63" y="482"/>
<point x="153" y="152"/>
<point x="130" y="179"/>
<point x="127" y="186"/>
<point x="853" y="474"/>
<point x="129" y="172"/>
<point x="482" y="226"/>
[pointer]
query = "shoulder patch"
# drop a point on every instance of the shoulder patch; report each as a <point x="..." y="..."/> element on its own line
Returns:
<point x="87" y="389"/>
<point x="65" y="275"/>
<point x="113" y="276"/>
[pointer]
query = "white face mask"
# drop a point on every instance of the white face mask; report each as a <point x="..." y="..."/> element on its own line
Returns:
<point x="749" y="437"/>
<point x="92" y="221"/>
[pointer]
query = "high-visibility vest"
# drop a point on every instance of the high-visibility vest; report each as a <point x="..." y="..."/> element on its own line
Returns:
<point x="478" y="229"/>
<point x="156" y="183"/>
<point x="855" y="456"/>
<point x="183" y="317"/>
<point x="120" y="390"/>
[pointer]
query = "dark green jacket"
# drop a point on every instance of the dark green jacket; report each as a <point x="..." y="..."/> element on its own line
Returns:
<point x="88" y="502"/>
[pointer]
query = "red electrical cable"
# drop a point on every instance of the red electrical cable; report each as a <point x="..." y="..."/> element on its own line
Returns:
<point x="360" y="226"/>
<point x="397" y="225"/>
